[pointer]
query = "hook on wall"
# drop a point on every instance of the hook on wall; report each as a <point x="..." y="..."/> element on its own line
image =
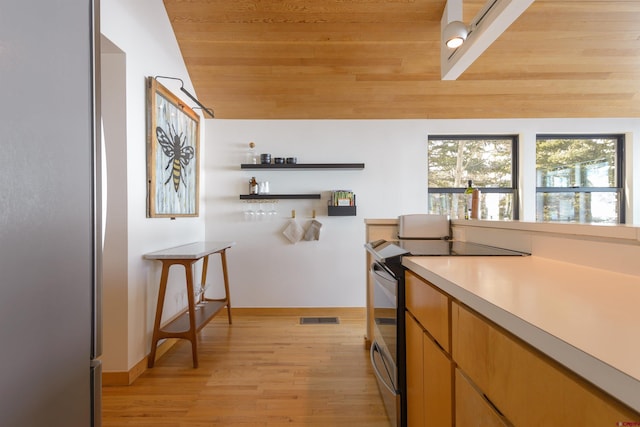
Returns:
<point x="209" y="111"/>
<point x="313" y="213"/>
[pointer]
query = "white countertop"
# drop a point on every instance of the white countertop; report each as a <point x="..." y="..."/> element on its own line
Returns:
<point x="585" y="318"/>
<point x="194" y="250"/>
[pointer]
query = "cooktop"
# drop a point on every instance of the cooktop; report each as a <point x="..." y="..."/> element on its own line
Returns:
<point x="385" y="249"/>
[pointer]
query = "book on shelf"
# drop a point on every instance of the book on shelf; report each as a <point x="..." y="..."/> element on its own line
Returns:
<point x="342" y="198"/>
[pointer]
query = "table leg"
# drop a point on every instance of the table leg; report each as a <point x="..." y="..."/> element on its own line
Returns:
<point x="223" y="259"/>
<point x="192" y="333"/>
<point x="203" y="280"/>
<point x="156" y="326"/>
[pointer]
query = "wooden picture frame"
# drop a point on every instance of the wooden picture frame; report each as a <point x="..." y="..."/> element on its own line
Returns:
<point x="173" y="155"/>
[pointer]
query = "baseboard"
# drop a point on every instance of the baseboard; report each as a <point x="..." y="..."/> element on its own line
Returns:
<point x="124" y="378"/>
<point x="346" y="312"/>
<point x="121" y="378"/>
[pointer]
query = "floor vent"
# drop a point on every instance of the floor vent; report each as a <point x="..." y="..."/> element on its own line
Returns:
<point x="319" y="321"/>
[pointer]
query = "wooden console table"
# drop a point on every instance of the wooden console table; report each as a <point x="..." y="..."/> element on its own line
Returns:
<point x="187" y="325"/>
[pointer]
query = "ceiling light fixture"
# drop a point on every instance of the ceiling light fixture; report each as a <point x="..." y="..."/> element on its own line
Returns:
<point x="454" y="34"/>
<point x="490" y="22"/>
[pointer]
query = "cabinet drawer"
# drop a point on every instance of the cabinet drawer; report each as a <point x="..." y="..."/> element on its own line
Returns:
<point x="526" y="386"/>
<point x="472" y="408"/>
<point x="430" y="307"/>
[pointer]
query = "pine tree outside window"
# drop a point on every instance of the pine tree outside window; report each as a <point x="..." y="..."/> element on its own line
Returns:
<point x="490" y="161"/>
<point x="579" y="178"/>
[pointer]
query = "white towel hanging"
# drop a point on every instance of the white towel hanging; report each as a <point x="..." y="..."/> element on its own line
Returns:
<point x="313" y="230"/>
<point x="293" y="231"/>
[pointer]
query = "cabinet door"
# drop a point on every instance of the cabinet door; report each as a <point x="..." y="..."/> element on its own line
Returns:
<point x="437" y="384"/>
<point x="415" y="373"/>
<point x="429" y="379"/>
<point x="472" y="408"/>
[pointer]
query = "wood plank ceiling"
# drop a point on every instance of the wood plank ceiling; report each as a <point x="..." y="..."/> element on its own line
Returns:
<point x="380" y="59"/>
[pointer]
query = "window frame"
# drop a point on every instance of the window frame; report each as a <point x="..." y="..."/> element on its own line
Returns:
<point x="619" y="179"/>
<point x="513" y="190"/>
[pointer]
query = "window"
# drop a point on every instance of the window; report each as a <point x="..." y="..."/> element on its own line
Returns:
<point x="490" y="161"/>
<point x="580" y="178"/>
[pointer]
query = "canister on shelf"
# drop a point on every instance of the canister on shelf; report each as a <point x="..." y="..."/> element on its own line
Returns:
<point x="475" y="204"/>
<point x="253" y="185"/>
<point x="251" y="156"/>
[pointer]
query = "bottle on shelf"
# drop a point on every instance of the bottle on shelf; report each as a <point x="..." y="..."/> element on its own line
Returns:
<point x="251" y="157"/>
<point x="475" y="204"/>
<point x="468" y="199"/>
<point x="253" y="185"/>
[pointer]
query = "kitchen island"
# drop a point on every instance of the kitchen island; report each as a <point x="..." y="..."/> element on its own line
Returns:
<point x="583" y="319"/>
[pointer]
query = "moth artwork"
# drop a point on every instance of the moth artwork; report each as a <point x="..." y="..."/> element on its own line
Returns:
<point x="172" y="154"/>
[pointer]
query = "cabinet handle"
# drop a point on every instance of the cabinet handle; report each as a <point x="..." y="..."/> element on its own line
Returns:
<point x="495" y="408"/>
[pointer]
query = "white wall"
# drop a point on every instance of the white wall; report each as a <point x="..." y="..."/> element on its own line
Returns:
<point x="266" y="270"/>
<point x="144" y="45"/>
<point x="114" y="260"/>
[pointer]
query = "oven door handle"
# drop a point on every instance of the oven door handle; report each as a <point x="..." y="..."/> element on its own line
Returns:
<point x="374" y="349"/>
<point x="381" y="272"/>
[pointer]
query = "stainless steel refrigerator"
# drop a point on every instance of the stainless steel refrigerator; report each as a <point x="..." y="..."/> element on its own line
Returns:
<point x="50" y="233"/>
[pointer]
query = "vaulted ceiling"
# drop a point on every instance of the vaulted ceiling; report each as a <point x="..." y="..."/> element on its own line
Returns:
<point x="380" y="59"/>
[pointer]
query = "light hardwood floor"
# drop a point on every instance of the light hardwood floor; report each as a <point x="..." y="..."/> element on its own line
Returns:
<point x="265" y="370"/>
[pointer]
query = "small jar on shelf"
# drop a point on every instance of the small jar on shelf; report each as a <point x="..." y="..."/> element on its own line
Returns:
<point x="253" y="186"/>
<point x="251" y="157"/>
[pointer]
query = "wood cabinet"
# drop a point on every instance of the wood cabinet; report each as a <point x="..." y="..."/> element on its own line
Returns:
<point x="415" y="372"/>
<point x="472" y="407"/>
<point x="464" y="370"/>
<point x="438" y="384"/>
<point x="430" y="307"/>
<point x="527" y="387"/>
<point x="429" y="365"/>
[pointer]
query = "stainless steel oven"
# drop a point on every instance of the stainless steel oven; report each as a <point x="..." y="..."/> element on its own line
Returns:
<point x="385" y="348"/>
<point x="419" y="235"/>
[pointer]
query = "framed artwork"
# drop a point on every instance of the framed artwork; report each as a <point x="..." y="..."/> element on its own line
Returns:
<point x="173" y="155"/>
